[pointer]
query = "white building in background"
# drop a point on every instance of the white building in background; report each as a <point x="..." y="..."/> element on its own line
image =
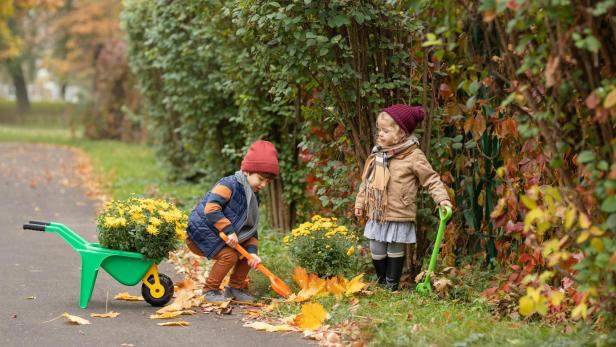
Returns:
<point x="43" y="88"/>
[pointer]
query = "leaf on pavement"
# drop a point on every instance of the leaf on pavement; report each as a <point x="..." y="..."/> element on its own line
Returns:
<point x="177" y="323"/>
<point x="262" y="326"/>
<point x="128" y="297"/>
<point x="75" y="320"/>
<point x="110" y="314"/>
<point x="166" y="315"/>
<point x="312" y="316"/>
<point x="184" y="300"/>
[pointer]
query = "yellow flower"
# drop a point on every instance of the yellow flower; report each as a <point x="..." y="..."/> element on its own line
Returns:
<point x="316" y="217"/>
<point x="350" y="251"/>
<point x="152" y="230"/>
<point x="180" y="233"/>
<point x="285" y="239"/>
<point x="155" y="221"/>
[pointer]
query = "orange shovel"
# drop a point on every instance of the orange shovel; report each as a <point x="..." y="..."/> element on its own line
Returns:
<point x="277" y="284"/>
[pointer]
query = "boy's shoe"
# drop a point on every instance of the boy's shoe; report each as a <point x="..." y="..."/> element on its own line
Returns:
<point x="215" y="297"/>
<point x="238" y="294"/>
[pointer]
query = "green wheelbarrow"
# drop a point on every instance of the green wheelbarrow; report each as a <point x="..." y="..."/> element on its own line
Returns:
<point x="128" y="268"/>
<point x="444" y="213"/>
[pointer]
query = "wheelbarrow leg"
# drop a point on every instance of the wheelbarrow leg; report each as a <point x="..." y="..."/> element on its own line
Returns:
<point x="90" y="263"/>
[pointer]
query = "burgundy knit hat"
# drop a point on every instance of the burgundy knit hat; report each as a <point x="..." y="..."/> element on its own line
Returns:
<point x="261" y="157"/>
<point x="406" y="116"/>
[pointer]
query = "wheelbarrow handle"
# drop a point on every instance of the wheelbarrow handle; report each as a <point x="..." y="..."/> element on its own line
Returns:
<point x="37" y="227"/>
<point x="38" y="222"/>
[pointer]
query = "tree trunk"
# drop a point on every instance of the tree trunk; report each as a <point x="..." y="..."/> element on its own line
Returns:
<point x="19" y="82"/>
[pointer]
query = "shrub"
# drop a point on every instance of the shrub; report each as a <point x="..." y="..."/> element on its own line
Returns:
<point x="148" y="226"/>
<point x="324" y="247"/>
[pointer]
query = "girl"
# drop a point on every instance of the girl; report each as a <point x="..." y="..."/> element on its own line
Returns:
<point x="388" y="192"/>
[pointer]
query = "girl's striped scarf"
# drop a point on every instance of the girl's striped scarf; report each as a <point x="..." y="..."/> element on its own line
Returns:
<point x="376" y="176"/>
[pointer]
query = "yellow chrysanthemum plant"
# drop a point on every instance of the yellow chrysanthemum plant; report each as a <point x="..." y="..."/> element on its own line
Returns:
<point x="325" y="247"/>
<point x="152" y="227"/>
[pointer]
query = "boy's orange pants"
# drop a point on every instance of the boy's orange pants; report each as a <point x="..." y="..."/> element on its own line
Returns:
<point x="226" y="259"/>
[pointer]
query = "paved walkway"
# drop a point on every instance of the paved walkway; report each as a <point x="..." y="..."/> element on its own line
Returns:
<point x="40" y="273"/>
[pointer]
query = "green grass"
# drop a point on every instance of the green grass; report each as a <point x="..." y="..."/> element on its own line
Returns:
<point x="42" y="114"/>
<point x="408" y="319"/>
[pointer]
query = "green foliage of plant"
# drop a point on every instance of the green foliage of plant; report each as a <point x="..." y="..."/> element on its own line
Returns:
<point x="325" y="247"/>
<point x="148" y="226"/>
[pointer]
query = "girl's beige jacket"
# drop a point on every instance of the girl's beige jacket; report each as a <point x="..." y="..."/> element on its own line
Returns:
<point x="407" y="171"/>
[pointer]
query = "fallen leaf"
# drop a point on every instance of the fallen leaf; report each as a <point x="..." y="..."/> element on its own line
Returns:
<point x="185" y="299"/>
<point x="442" y="285"/>
<point x="262" y="326"/>
<point x="177" y="323"/>
<point x="355" y="285"/>
<point x="166" y="315"/>
<point x="187" y="284"/>
<point x="312" y="316"/>
<point x="128" y="297"/>
<point x="75" y="320"/>
<point x="111" y="314"/>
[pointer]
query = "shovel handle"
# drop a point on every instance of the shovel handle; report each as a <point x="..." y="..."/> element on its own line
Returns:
<point x="248" y="256"/>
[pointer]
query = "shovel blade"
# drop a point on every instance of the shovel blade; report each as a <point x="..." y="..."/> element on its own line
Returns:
<point x="280" y="287"/>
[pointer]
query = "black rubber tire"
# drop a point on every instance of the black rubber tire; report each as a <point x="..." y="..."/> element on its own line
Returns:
<point x="167" y="284"/>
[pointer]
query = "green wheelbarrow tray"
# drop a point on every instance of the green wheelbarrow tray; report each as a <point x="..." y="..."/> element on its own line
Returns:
<point x="128" y="268"/>
<point x="425" y="288"/>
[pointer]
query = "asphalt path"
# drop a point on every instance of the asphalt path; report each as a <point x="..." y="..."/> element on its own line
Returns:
<point x="40" y="273"/>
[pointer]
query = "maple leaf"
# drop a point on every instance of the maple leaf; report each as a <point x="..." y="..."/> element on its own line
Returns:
<point x="166" y="315"/>
<point x="300" y="276"/>
<point x="262" y="326"/>
<point x="336" y="286"/>
<point x="312" y="316"/>
<point x="185" y="299"/>
<point x="128" y="297"/>
<point x="111" y="314"/>
<point x="355" y="285"/>
<point x="177" y="323"/>
<point x="75" y="319"/>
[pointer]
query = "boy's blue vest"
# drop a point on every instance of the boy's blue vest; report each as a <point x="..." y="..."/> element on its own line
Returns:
<point x="203" y="233"/>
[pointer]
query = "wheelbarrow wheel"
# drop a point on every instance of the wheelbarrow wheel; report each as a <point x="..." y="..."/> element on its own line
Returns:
<point x="167" y="284"/>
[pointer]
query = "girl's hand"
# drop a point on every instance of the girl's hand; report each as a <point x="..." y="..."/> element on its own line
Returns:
<point x="232" y="240"/>
<point x="446" y="203"/>
<point x="359" y="212"/>
<point x="255" y="261"/>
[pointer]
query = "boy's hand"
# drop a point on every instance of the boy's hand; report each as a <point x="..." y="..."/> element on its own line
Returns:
<point x="232" y="240"/>
<point x="255" y="261"/>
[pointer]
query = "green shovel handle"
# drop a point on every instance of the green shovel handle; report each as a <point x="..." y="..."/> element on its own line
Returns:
<point x="444" y="213"/>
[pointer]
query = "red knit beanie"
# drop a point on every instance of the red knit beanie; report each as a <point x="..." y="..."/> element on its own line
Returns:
<point x="406" y="116"/>
<point x="261" y="157"/>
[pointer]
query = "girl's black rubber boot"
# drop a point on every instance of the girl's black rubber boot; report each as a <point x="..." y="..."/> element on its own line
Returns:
<point x="380" y="266"/>
<point x="393" y="273"/>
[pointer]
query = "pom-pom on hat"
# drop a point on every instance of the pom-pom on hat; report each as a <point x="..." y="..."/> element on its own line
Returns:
<point x="261" y="157"/>
<point x="406" y="116"/>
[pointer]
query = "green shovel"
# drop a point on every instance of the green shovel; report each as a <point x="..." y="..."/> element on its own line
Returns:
<point x="444" y="214"/>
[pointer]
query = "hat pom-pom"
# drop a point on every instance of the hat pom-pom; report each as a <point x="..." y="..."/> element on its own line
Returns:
<point x="418" y="113"/>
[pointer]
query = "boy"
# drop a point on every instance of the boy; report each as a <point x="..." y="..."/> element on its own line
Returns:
<point x="232" y="207"/>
